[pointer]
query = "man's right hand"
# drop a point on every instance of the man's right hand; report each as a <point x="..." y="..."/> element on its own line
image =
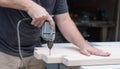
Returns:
<point x="35" y="11"/>
<point x="39" y="15"/>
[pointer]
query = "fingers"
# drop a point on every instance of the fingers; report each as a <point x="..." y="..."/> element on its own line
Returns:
<point x="50" y="21"/>
<point x="99" y="52"/>
<point x="39" y="15"/>
<point x="85" y="52"/>
<point x="94" y="51"/>
<point x="38" y="21"/>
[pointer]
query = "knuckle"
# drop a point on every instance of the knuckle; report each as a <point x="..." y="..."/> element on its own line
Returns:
<point x="34" y="25"/>
<point x="37" y="17"/>
<point x="50" y="18"/>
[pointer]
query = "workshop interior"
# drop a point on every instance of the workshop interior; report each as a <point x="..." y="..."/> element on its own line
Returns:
<point x="97" y="20"/>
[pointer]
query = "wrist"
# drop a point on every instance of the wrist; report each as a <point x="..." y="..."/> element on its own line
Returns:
<point x="82" y="44"/>
<point x="27" y="5"/>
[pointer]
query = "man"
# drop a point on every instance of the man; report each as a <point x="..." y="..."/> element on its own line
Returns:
<point x="11" y="11"/>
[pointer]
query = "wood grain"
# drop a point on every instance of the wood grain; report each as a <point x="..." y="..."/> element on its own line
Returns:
<point x="69" y="54"/>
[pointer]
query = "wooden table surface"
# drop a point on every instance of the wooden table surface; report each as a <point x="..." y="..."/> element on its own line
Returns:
<point x="69" y="55"/>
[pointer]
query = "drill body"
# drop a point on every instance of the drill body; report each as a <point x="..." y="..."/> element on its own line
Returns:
<point x="48" y="34"/>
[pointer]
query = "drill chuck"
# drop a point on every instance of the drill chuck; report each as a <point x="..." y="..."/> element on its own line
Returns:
<point x="50" y="44"/>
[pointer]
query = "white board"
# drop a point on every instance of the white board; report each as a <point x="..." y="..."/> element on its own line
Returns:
<point x="69" y="54"/>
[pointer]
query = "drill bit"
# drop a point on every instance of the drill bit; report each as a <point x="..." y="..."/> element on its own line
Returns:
<point x="50" y="45"/>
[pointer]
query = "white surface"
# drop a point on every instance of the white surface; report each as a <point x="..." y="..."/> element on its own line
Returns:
<point x="69" y="54"/>
<point x="101" y="67"/>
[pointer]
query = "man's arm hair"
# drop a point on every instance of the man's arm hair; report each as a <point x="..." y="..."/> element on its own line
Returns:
<point x="34" y="10"/>
<point x="17" y="4"/>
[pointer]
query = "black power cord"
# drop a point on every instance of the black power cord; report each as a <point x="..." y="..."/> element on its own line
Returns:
<point x="19" y="42"/>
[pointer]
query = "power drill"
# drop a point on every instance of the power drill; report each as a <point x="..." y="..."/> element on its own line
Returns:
<point x="48" y="34"/>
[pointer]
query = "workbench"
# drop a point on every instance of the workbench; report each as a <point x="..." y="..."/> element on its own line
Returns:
<point x="69" y="55"/>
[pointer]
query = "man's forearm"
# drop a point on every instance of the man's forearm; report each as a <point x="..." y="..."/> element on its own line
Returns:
<point x="69" y="30"/>
<point x="34" y="10"/>
<point x="17" y="4"/>
<point x="71" y="33"/>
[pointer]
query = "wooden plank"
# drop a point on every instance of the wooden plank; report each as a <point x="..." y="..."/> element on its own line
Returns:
<point x="69" y="55"/>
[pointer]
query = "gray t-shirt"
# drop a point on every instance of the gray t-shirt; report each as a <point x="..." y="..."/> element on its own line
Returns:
<point x="28" y="33"/>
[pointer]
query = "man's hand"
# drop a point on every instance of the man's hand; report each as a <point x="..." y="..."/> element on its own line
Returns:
<point x="35" y="11"/>
<point x="90" y="50"/>
<point x="39" y="15"/>
<point x="72" y="34"/>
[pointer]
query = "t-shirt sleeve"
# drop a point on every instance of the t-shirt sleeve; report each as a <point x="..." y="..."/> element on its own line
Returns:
<point x="60" y="7"/>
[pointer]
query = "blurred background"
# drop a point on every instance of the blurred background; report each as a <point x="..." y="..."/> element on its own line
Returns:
<point x="97" y="20"/>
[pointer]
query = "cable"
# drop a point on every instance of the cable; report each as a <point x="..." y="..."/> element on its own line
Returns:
<point x="19" y="43"/>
